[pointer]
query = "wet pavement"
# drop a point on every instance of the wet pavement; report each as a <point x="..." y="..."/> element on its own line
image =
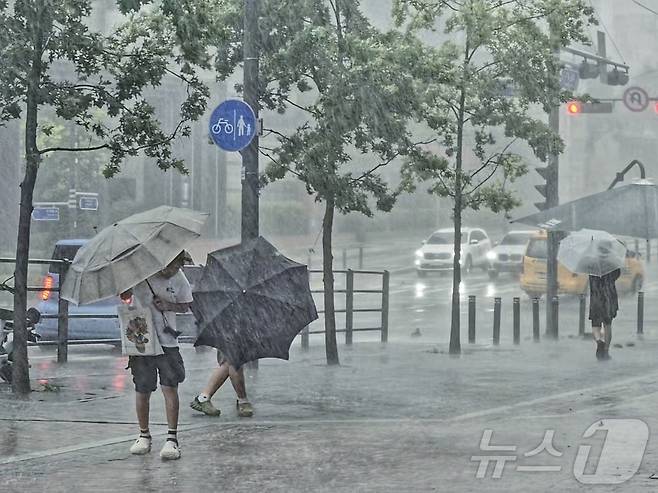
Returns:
<point x="403" y="416"/>
<point x="395" y="417"/>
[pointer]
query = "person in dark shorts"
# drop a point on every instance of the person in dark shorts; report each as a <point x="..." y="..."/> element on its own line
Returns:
<point x="166" y="293"/>
<point x="603" y="307"/>
<point x="217" y="378"/>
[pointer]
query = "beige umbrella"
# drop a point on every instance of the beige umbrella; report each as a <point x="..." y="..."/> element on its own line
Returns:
<point x="129" y="251"/>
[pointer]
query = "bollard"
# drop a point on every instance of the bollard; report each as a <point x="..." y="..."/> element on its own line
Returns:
<point x="62" y="330"/>
<point x="555" y="306"/>
<point x="471" y="319"/>
<point x="62" y="320"/>
<point x="581" y="315"/>
<point x="305" y="338"/>
<point x="517" y="320"/>
<point x="360" y="257"/>
<point x="640" y="312"/>
<point x="496" y="327"/>
<point x="535" y="319"/>
<point x="349" y="307"/>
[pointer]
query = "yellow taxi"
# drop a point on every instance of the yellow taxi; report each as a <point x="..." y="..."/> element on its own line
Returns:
<point x="533" y="275"/>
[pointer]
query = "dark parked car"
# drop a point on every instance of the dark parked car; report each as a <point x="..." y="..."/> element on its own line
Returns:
<point x="90" y="328"/>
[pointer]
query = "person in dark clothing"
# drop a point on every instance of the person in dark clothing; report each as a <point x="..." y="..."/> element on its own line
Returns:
<point x="603" y="306"/>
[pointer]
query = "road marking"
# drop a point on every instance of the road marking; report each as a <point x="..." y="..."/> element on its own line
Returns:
<point x="89" y="445"/>
<point x="651" y="377"/>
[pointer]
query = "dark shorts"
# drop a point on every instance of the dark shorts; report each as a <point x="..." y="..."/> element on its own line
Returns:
<point x="145" y="370"/>
<point x="600" y="321"/>
<point x="221" y="359"/>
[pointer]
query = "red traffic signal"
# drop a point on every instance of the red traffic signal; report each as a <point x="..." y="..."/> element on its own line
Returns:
<point x="574" y="107"/>
<point x="578" y="107"/>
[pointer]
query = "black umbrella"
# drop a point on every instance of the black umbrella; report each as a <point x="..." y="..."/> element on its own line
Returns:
<point x="250" y="302"/>
<point x="631" y="210"/>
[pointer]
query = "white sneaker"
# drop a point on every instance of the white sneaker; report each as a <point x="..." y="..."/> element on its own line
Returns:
<point x="141" y="446"/>
<point x="170" y="451"/>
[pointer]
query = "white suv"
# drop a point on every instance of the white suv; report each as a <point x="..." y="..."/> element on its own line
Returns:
<point x="436" y="254"/>
<point x="507" y="256"/>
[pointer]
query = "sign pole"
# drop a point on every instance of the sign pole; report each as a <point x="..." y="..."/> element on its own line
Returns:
<point x="250" y="216"/>
<point x="250" y="153"/>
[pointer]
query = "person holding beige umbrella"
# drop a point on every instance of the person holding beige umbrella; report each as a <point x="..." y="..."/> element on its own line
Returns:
<point x="142" y="256"/>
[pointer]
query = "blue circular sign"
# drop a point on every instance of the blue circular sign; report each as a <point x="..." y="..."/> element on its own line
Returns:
<point x="232" y="125"/>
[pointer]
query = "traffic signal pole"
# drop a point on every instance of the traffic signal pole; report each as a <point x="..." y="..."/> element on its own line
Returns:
<point x="551" y="175"/>
<point x="552" y="200"/>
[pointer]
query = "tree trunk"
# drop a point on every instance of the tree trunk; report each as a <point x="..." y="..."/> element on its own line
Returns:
<point x="331" y="346"/>
<point x="21" y="369"/>
<point x="455" y="319"/>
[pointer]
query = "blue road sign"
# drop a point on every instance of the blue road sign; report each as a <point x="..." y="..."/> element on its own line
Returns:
<point x="45" y="214"/>
<point x="88" y="203"/>
<point x="232" y="125"/>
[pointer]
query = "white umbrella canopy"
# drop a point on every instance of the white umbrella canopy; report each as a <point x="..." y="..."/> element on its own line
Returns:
<point x="129" y="251"/>
<point x="592" y="252"/>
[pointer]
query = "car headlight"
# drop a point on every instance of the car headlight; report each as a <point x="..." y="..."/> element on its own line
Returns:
<point x="419" y="254"/>
<point x="491" y="255"/>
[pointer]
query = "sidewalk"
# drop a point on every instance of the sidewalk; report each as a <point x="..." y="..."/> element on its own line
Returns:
<point x="397" y="417"/>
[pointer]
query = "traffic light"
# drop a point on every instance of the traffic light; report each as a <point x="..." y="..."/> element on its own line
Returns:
<point x="577" y="107"/>
<point x="545" y="173"/>
<point x="574" y="107"/>
<point x="617" y="78"/>
<point x="588" y="70"/>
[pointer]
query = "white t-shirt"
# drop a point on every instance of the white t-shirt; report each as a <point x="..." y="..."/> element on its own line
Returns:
<point x="176" y="289"/>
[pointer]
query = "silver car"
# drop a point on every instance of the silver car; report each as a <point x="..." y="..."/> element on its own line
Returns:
<point x="507" y="256"/>
<point x="436" y="253"/>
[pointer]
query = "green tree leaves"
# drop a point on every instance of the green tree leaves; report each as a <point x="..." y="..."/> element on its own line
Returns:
<point x="97" y="81"/>
<point x="501" y="57"/>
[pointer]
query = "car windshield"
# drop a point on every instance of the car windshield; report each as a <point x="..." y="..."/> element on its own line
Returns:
<point x="62" y="252"/>
<point x="515" y="239"/>
<point x="443" y="238"/>
<point x="537" y="249"/>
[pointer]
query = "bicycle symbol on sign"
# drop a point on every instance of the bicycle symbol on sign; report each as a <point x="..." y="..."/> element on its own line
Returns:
<point x="222" y="124"/>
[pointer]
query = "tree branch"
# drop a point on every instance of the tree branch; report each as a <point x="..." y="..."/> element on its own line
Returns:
<point x="474" y="189"/>
<point x="287" y="168"/>
<point x="388" y="161"/>
<point x="491" y="158"/>
<point x="75" y="149"/>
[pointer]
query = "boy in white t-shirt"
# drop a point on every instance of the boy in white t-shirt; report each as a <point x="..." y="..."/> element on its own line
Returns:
<point x="166" y="293"/>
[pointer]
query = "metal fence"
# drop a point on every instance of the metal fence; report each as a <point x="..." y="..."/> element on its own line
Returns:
<point x="63" y="316"/>
<point x="350" y="310"/>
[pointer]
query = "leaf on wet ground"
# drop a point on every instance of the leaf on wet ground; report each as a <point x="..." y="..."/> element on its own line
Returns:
<point x="47" y="387"/>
